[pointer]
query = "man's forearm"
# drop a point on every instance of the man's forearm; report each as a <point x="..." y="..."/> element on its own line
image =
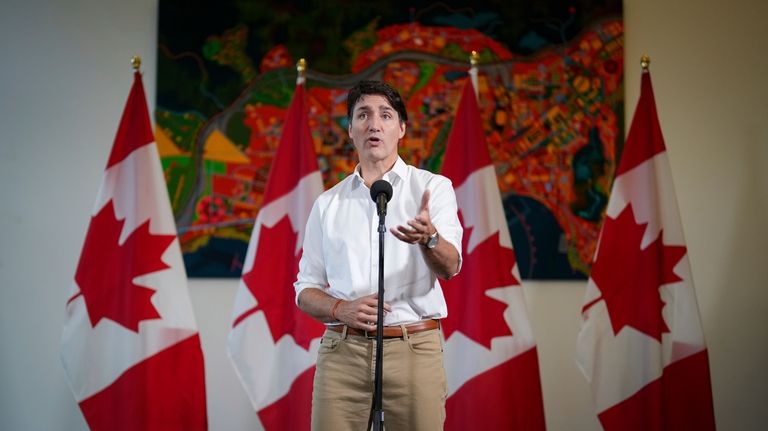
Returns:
<point x="317" y="304"/>
<point x="443" y="260"/>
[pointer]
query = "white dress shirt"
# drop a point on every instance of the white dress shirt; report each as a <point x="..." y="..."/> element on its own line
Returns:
<point x="341" y="243"/>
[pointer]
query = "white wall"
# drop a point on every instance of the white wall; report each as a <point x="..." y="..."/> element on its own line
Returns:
<point x="64" y="78"/>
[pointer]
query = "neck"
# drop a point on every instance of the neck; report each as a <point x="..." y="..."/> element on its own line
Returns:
<point x="372" y="171"/>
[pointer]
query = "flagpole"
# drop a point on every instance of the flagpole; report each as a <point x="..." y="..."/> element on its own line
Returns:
<point x="474" y="58"/>
<point x="301" y="70"/>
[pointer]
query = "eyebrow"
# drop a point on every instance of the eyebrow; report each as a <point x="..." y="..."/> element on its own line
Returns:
<point x="368" y="108"/>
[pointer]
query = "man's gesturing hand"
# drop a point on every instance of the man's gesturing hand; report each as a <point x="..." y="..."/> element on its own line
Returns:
<point x="419" y="228"/>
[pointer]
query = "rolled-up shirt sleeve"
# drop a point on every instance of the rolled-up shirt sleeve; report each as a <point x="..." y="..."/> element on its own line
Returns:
<point x="443" y="210"/>
<point x="312" y="263"/>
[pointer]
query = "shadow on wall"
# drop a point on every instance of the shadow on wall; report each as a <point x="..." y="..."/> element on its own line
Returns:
<point x="738" y="337"/>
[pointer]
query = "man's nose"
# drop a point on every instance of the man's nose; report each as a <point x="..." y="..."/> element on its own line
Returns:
<point x="374" y="124"/>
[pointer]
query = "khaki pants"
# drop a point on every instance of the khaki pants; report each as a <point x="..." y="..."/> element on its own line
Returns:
<point x="414" y="386"/>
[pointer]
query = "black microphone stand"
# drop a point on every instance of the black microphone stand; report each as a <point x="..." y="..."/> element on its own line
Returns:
<point x="381" y="192"/>
<point x="378" y="411"/>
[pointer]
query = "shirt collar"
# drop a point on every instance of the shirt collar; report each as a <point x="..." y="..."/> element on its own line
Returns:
<point x="393" y="176"/>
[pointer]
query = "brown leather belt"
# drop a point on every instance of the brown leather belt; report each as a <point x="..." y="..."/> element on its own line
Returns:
<point x="390" y="331"/>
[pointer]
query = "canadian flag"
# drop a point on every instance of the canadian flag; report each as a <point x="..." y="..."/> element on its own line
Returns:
<point x="272" y="344"/>
<point x="490" y="354"/>
<point x="641" y="346"/>
<point x="130" y="347"/>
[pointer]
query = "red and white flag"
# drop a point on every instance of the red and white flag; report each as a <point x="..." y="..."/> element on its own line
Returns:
<point x="130" y="347"/>
<point x="490" y="354"/>
<point x="272" y="344"/>
<point x="641" y="345"/>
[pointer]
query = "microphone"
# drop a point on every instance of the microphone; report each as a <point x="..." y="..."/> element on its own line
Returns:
<point x="381" y="193"/>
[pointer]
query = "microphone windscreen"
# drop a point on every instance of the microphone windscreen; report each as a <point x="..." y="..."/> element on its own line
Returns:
<point x="379" y="187"/>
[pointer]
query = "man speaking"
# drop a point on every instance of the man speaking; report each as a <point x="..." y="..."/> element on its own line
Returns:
<point x="338" y="277"/>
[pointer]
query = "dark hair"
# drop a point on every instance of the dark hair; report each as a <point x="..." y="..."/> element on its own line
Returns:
<point x="378" y="88"/>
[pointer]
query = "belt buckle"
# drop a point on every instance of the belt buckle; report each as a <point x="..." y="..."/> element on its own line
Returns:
<point x="369" y="335"/>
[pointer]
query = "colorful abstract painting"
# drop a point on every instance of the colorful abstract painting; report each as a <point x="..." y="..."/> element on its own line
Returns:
<point x="550" y="90"/>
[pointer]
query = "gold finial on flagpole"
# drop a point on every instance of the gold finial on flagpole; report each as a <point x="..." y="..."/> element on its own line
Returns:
<point x="136" y="62"/>
<point x="645" y="61"/>
<point x="474" y="58"/>
<point x="301" y="68"/>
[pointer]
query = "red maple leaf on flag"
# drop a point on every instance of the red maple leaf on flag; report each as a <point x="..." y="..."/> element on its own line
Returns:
<point x="470" y="310"/>
<point x="106" y="271"/>
<point x="270" y="281"/>
<point x="629" y="277"/>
